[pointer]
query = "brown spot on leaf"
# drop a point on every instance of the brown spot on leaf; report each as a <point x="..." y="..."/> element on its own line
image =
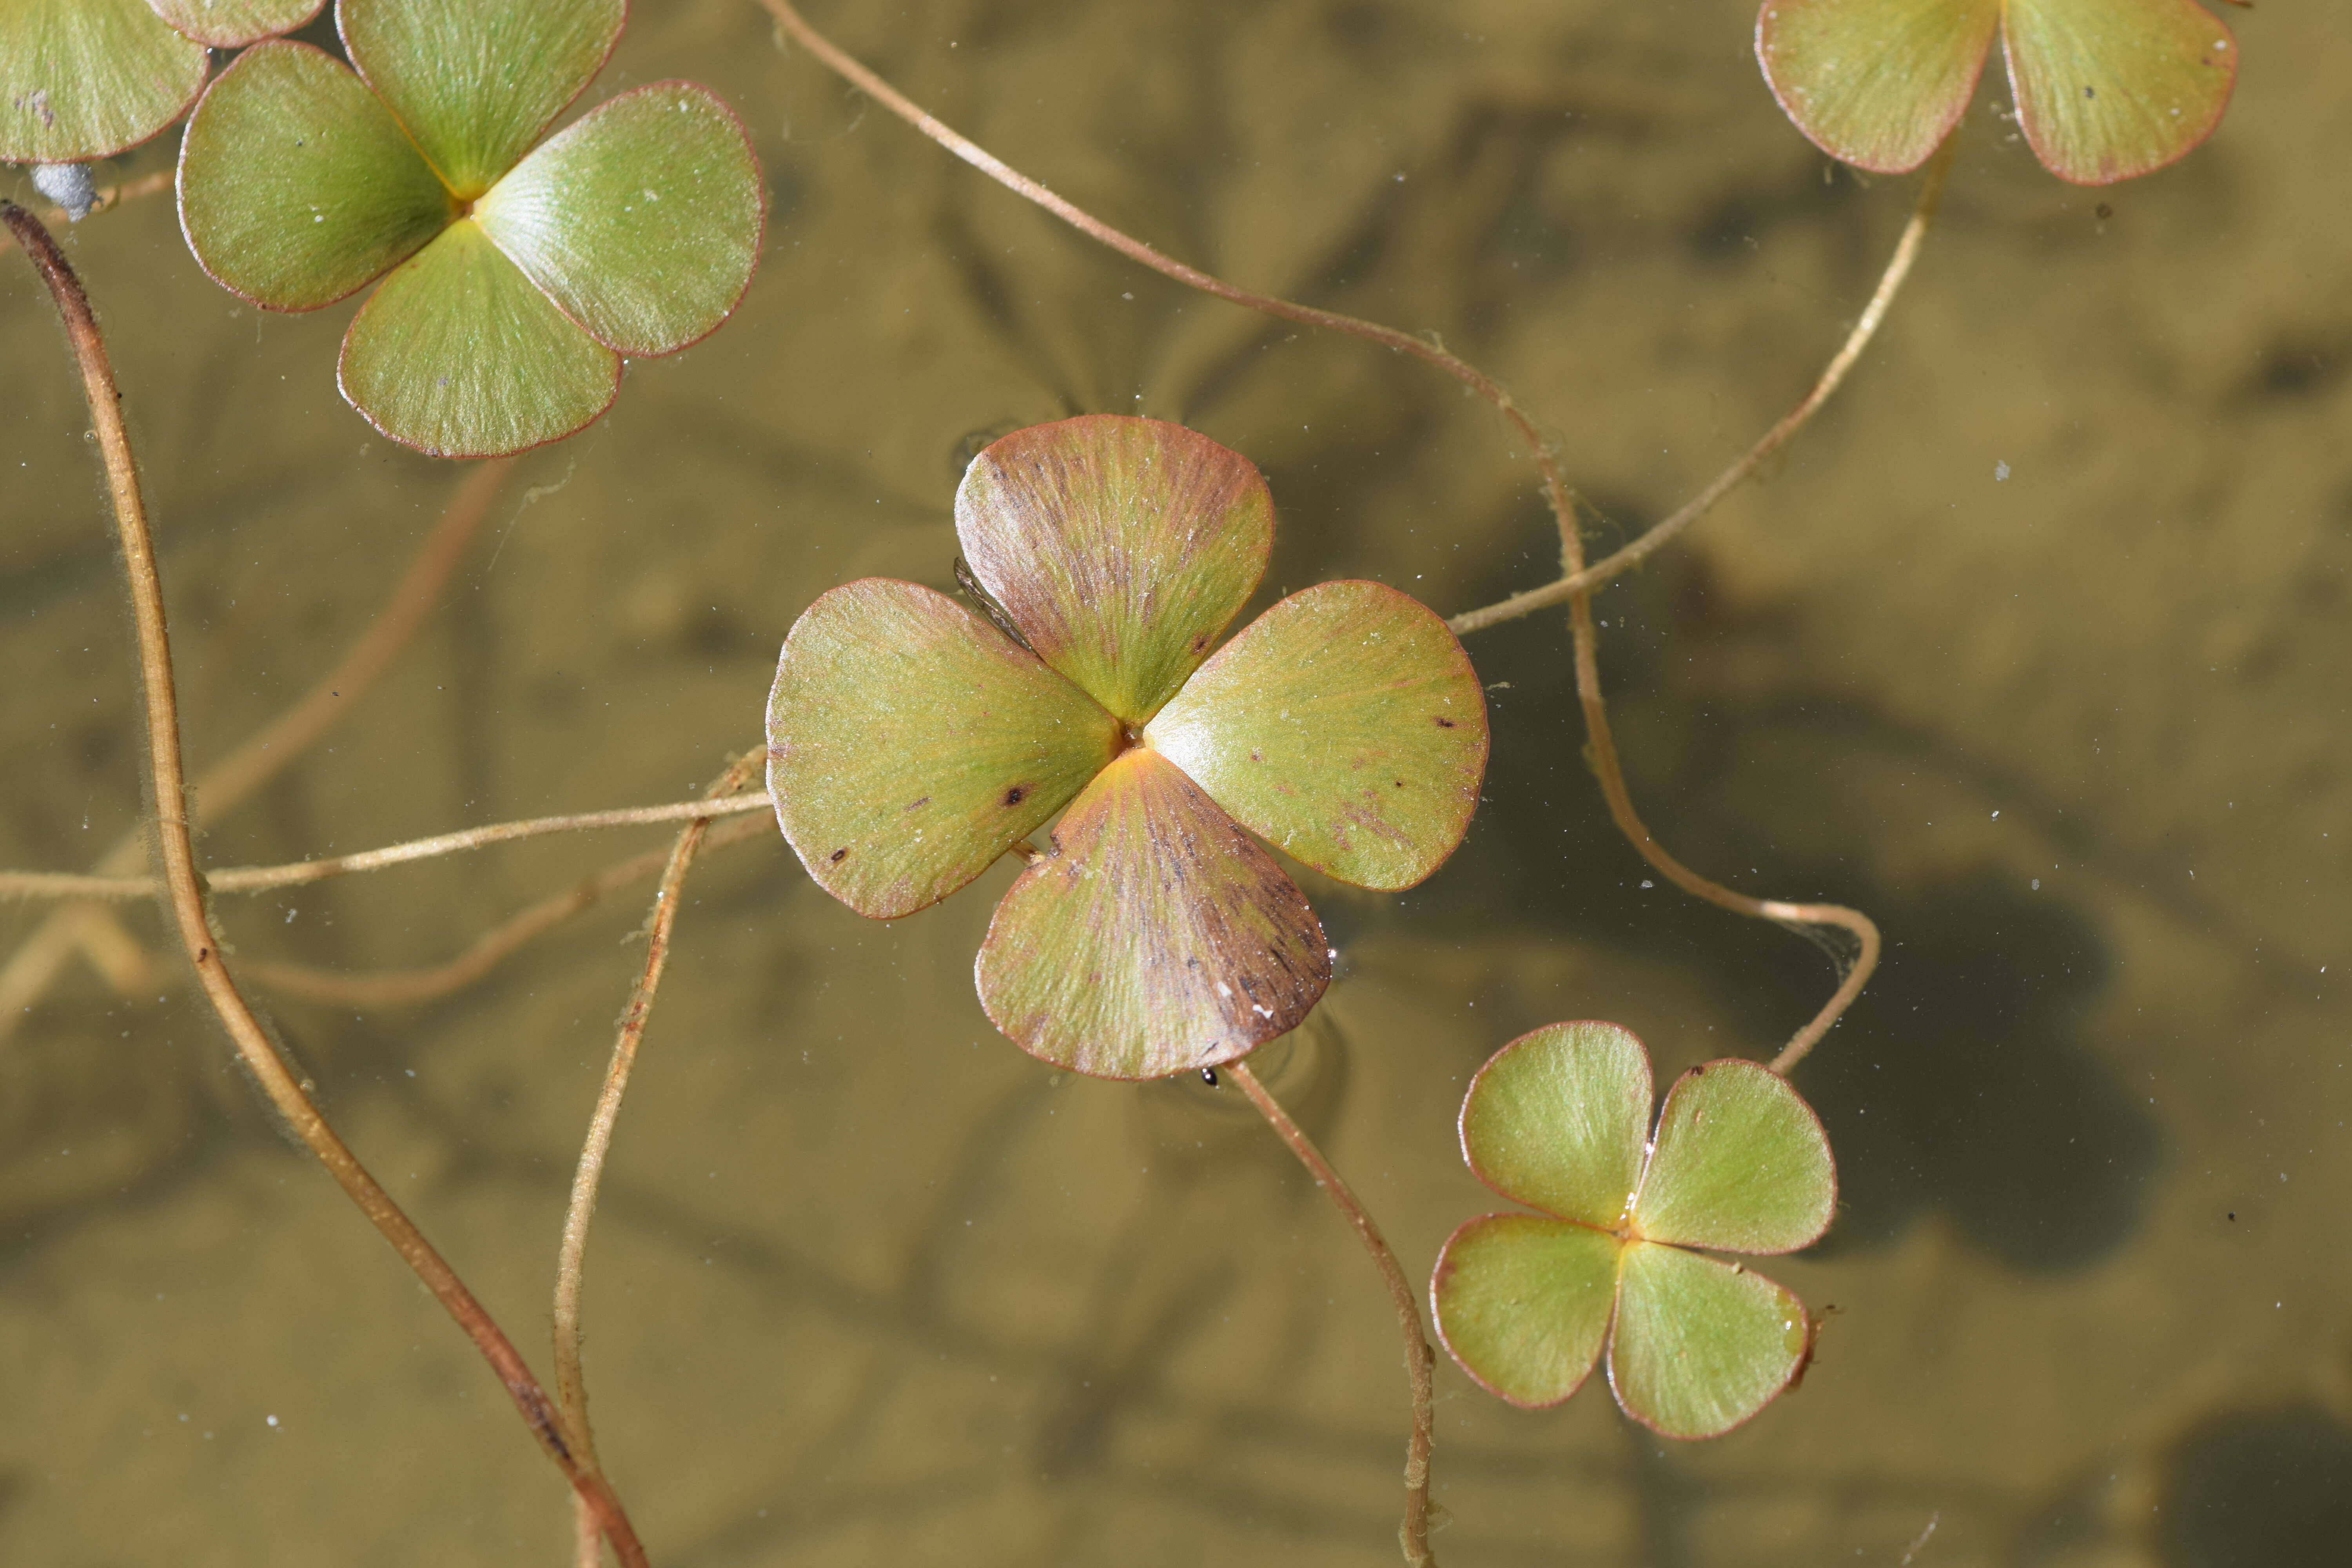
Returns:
<point x="1015" y="796"/>
<point x="838" y="855"/>
<point x="1444" y="722"/>
<point x="918" y="805"/>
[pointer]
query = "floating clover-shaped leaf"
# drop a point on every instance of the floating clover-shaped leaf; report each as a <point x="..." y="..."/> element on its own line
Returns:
<point x="911" y="743"/>
<point x="1738" y="1163"/>
<point x="522" y="269"/>
<point x="2105" y="89"/>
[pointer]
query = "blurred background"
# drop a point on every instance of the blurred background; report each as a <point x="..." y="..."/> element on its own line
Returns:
<point x="2032" y="645"/>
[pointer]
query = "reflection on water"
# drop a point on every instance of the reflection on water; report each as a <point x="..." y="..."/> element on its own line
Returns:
<point x="871" y="1286"/>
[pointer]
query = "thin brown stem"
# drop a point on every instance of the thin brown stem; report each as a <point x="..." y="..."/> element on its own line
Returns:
<point x="1424" y="349"/>
<point x="1898" y="268"/>
<point x="109" y="197"/>
<point x="263" y="755"/>
<point x="1420" y="1360"/>
<point x="410" y="987"/>
<point x="1575" y="582"/>
<point x="185" y="897"/>
<point x="570" y="1390"/>
<point x="257" y="879"/>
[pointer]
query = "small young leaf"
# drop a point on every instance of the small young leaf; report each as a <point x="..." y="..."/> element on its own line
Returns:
<point x="1876" y="83"/>
<point x="1524" y="1302"/>
<point x="233" y="24"/>
<point x="87" y="79"/>
<point x="1740" y="1164"/>
<point x="642" y="220"/>
<point x="1555" y="1119"/>
<point x="1699" y="1346"/>
<point x="1120" y="547"/>
<point x="2110" y="89"/>
<point x="475" y="81"/>
<point x="910" y="743"/>
<point x="1156" y="937"/>
<point x="458" y="355"/>
<point x="295" y="186"/>
<point x="1346" y="726"/>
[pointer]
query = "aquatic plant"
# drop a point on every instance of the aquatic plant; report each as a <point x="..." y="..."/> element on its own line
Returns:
<point x="911" y="744"/>
<point x="1616" y="1254"/>
<point x="520" y="270"/>
<point x="912" y="741"/>
<point x="2105" y="89"/>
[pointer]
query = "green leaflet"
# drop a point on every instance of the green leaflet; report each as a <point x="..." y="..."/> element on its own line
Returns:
<point x="910" y="745"/>
<point x="475" y="83"/>
<point x="1699" y="1345"/>
<point x="296" y="184"/>
<point x="1877" y="83"/>
<point x="86" y="79"/>
<point x="1555" y="1120"/>
<point x="458" y="355"/>
<point x="1346" y="726"/>
<point x="1155" y="936"/>
<point x="233" y="24"/>
<point x="2107" y="89"/>
<point x="1741" y="1164"/>
<point x="1524" y="1303"/>
<point x="1120" y="547"/>
<point x="642" y="220"/>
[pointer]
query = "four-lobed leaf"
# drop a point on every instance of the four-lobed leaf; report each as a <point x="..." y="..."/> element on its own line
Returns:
<point x="523" y="266"/>
<point x="2105" y="89"/>
<point x="910" y="743"/>
<point x="1528" y="1303"/>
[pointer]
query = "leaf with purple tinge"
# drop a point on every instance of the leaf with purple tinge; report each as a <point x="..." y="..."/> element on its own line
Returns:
<point x="1153" y="937"/>
<point x="2105" y="89"/>
<point x="1346" y="726"/>
<point x="1739" y="1163"/>
<point x="910" y="745"/>
<point x="233" y="24"/>
<point x="1120" y="547"/>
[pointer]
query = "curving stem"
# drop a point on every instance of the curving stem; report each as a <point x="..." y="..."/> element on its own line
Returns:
<point x="184" y="898"/>
<point x="1420" y="1360"/>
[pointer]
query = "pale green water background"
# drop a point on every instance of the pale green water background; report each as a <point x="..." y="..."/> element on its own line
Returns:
<point x="868" y="1286"/>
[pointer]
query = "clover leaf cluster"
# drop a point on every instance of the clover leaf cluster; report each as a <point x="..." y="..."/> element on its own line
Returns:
<point x="911" y="743"/>
<point x="2105" y="89"/>
<point x="518" y="271"/>
<point x="1617" y="1253"/>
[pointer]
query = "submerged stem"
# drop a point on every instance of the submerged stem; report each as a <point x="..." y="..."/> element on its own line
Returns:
<point x="1420" y="1360"/>
<point x="571" y="1255"/>
<point x="184" y="898"/>
<point x="259" y="878"/>
<point x="263" y="754"/>
<point x="1585" y="579"/>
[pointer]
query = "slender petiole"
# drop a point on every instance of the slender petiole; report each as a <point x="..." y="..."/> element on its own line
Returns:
<point x="185" y="899"/>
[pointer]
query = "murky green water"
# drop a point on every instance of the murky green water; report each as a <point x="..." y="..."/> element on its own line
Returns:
<point x="869" y="1285"/>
